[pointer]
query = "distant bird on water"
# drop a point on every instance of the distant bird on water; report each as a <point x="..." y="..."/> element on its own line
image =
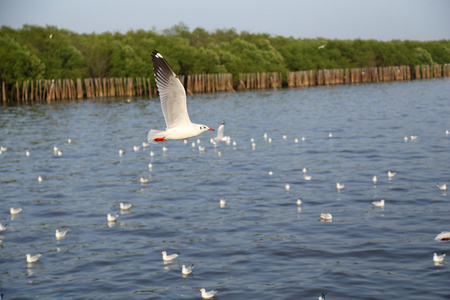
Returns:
<point x="340" y="186"/>
<point x="167" y="257"/>
<point x="15" y="211"/>
<point x="442" y="187"/>
<point x="439" y="258"/>
<point x="173" y="105"/>
<point x="220" y="137"/>
<point x="378" y="203"/>
<point x="374" y="179"/>
<point x="208" y="295"/>
<point x="33" y="258"/>
<point x="187" y="270"/>
<point x="323" y="296"/>
<point x="326" y="217"/>
<point x="60" y="234"/>
<point x="391" y="174"/>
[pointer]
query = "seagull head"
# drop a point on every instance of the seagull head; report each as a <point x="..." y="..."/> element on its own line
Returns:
<point x="203" y="128"/>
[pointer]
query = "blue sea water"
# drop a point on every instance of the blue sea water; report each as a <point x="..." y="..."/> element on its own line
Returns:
<point x="261" y="245"/>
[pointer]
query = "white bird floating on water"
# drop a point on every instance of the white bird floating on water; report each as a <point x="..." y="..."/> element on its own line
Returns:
<point x="270" y="172"/>
<point x="287" y="187"/>
<point x="439" y="258"/>
<point x="125" y="206"/>
<point x="121" y="152"/>
<point x="374" y="179"/>
<point x="391" y="174"/>
<point x="340" y="186"/>
<point x="3" y="228"/>
<point x="143" y="180"/>
<point x="378" y="203"/>
<point x="166" y="257"/>
<point x="443" y="236"/>
<point x="330" y="135"/>
<point x="304" y="170"/>
<point x="442" y="187"/>
<point x="15" y="211"/>
<point x="60" y="234"/>
<point x="173" y="105"/>
<point x="69" y="141"/>
<point x="27" y="153"/>
<point x="112" y="218"/>
<point x="413" y="137"/>
<point x="326" y="217"/>
<point x="307" y="177"/>
<point x="39" y="179"/>
<point x="220" y="137"/>
<point x="223" y="202"/>
<point x="208" y="295"/>
<point x="136" y="148"/>
<point x="323" y="296"/>
<point x="299" y="202"/>
<point x="33" y="258"/>
<point x="187" y="270"/>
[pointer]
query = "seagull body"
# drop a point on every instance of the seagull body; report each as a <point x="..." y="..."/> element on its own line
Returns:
<point x="112" y="218"/>
<point x="374" y="179"/>
<point x="60" y="234"/>
<point x="207" y="295"/>
<point x="121" y="152"/>
<point x="27" y="153"/>
<point x="442" y="187"/>
<point x="40" y="179"/>
<point x="3" y="228"/>
<point x="173" y="104"/>
<point x="438" y="258"/>
<point x="125" y="205"/>
<point x="326" y="216"/>
<point x="443" y="236"/>
<point x="136" y="148"/>
<point x="299" y="202"/>
<point x="323" y="297"/>
<point x="287" y="187"/>
<point x="187" y="270"/>
<point x="15" y="211"/>
<point x="143" y="180"/>
<point x="223" y="202"/>
<point x="220" y="137"/>
<point x="304" y="170"/>
<point x="378" y="203"/>
<point x="166" y="257"/>
<point x="340" y="186"/>
<point x="391" y="174"/>
<point x="307" y="177"/>
<point x="34" y="258"/>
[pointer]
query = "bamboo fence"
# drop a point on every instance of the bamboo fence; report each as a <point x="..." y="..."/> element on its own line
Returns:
<point x="92" y="88"/>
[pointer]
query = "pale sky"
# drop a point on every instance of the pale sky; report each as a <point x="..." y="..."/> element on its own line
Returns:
<point x="384" y="20"/>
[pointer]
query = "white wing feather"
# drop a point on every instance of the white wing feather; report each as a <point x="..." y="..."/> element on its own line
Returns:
<point x="171" y="93"/>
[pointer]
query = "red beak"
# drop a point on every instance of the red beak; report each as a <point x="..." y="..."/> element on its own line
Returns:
<point x="211" y="129"/>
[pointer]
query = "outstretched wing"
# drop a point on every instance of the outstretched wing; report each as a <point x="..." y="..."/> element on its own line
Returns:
<point x="171" y="92"/>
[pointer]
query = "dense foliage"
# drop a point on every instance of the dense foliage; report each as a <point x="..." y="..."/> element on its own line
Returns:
<point x="35" y="52"/>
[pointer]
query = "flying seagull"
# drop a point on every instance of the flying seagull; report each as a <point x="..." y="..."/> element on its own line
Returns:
<point x="173" y="104"/>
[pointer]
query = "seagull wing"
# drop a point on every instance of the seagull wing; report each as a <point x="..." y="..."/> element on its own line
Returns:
<point x="171" y="93"/>
<point x="220" y="132"/>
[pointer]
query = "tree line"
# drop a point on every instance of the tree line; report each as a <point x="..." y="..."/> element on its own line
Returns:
<point x="35" y="52"/>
